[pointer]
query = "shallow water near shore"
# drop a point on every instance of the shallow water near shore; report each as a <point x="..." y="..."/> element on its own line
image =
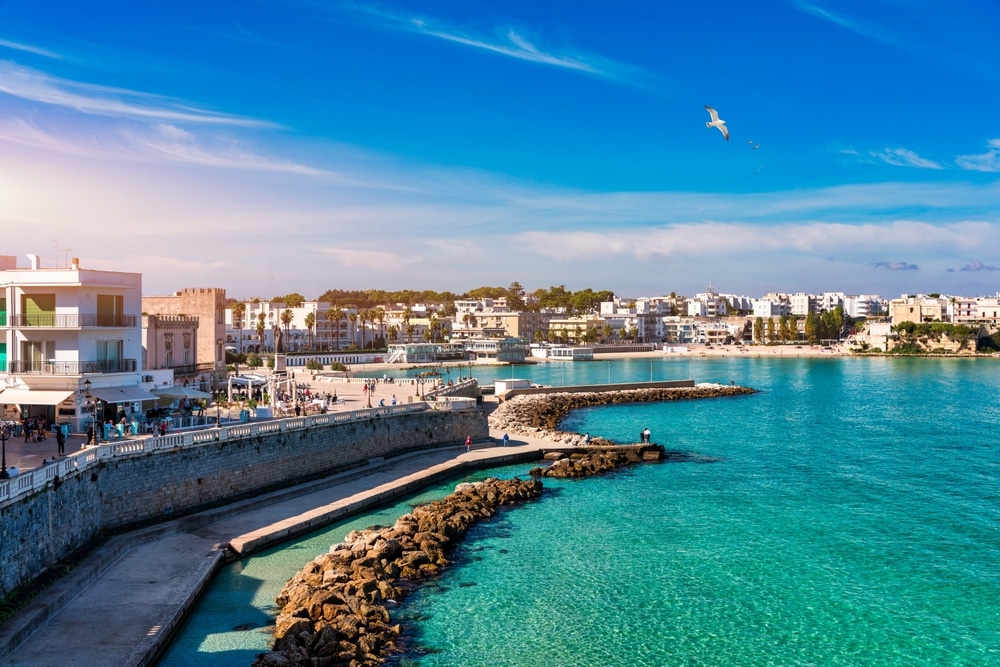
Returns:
<point x="851" y="518"/>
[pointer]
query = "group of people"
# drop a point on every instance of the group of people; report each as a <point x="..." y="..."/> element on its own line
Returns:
<point x="644" y="436"/>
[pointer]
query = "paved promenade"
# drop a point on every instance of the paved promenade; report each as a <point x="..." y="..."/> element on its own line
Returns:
<point x="122" y="603"/>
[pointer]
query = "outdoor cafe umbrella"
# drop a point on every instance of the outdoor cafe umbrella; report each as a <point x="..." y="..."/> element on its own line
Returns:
<point x="180" y="392"/>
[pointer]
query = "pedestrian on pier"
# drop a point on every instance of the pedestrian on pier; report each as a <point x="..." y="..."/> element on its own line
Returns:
<point x="468" y="443"/>
<point x="506" y="439"/>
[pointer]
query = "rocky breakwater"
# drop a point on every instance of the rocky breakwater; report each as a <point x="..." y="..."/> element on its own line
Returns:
<point x="539" y="415"/>
<point x="333" y="612"/>
<point x="597" y="460"/>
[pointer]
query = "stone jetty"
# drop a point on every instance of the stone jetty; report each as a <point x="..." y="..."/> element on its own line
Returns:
<point x="539" y="415"/>
<point x="335" y="610"/>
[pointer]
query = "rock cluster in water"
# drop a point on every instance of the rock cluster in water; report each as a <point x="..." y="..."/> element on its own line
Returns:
<point x="539" y="415"/>
<point x="333" y="612"/>
<point x="598" y="460"/>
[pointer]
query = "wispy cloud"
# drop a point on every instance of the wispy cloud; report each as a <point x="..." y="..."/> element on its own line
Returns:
<point x="35" y="86"/>
<point x="508" y="42"/>
<point x="988" y="161"/>
<point x="901" y="157"/>
<point x="976" y="265"/>
<point x="895" y="266"/>
<point x="160" y="142"/>
<point x="871" y="31"/>
<point x="360" y="258"/>
<point x="28" y="48"/>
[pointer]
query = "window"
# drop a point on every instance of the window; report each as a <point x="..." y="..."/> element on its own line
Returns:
<point x="39" y="309"/>
<point x="109" y="310"/>
<point x="109" y="354"/>
<point x="168" y="349"/>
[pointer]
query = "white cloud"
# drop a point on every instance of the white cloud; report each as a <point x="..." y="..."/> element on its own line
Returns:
<point x="717" y="241"/>
<point x="373" y="260"/>
<point x="508" y="42"/>
<point x="901" y="157"/>
<point x="29" y="84"/>
<point x="871" y="31"/>
<point x="988" y="161"/>
<point x="27" y="48"/>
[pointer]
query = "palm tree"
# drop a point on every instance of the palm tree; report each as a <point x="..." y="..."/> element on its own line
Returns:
<point x="239" y="310"/>
<point x="407" y="313"/>
<point x="393" y="332"/>
<point x="363" y="318"/>
<point x="286" y="318"/>
<point x="410" y="328"/>
<point x="379" y="314"/>
<point x="310" y="321"/>
<point x="335" y="314"/>
<point x="354" y="318"/>
<point x="260" y="331"/>
<point x="435" y="327"/>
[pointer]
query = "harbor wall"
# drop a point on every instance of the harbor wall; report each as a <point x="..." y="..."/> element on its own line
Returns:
<point x="41" y="529"/>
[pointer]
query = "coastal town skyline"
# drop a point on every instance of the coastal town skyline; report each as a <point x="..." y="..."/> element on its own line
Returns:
<point x="268" y="148"/>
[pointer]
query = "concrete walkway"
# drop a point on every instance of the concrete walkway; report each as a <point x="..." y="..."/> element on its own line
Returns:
<point x="121" y="605"/>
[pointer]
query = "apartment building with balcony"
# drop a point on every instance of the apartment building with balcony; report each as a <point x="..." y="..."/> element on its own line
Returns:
<point x="61" y="328"/>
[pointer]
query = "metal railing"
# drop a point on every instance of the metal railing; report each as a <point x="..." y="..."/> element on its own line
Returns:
<point x="71" y="320"/>
<point x="71" y="367"/>
<point x="35" y="480"/>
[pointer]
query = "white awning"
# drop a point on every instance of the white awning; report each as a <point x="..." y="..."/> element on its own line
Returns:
<point x="122" y="394"/>
<point x="35" y="396"/>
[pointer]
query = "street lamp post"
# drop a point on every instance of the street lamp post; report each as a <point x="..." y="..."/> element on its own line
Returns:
<point x="4" y="434"/>
<point x="92" y="407"/>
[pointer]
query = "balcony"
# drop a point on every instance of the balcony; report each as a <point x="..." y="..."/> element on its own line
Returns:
<point x="71" y="367"/>
<point x="70" y="321"/>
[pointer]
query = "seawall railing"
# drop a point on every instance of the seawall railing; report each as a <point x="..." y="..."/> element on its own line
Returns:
<point x="77" y="463"/>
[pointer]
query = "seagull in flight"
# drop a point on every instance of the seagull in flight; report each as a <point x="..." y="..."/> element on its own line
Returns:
<point x="755" y="146"/>
<point x="717" y="122"/>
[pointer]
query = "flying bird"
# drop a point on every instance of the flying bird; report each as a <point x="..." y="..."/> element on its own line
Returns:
<point x="755" y="146"/>
<point x="717" y="122"/>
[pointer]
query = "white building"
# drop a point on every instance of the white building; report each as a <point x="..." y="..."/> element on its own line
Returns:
<point x="864" y="306"/>
<point x="327" y="333"/>
<point x="771" y="307"/>
<point x="61" y="328"/>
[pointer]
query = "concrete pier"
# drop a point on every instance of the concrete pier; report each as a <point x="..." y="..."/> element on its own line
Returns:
<point x="122" y="604"/>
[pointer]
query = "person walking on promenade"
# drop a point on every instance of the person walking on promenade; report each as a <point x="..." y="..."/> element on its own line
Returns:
<point x="60" y="440"/>
<point x="506" y="439"/>
<point x="468" y="443"/>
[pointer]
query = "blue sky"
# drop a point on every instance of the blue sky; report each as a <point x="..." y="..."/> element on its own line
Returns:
<point x="299" y="145"/>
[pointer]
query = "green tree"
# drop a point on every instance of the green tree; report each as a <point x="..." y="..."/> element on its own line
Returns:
<point x="515" y="297"/>
<point x="379" y="314"/>
<point x="293" y="300"/>
<point x="239" y="311"/>
<point x="771" y="336"/>
<point x="310" y="321"/>
<point x="286" y="319"/>
<point x="353" y="317"/>
<point x="812" y="327"/>
<point x="758" y="330"/>
<point x="260" y="331"/>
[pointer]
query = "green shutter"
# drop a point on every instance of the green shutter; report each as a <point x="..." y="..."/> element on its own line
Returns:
<point x="40" y="310"/>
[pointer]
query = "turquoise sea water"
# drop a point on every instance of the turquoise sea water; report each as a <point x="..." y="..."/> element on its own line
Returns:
<point x="848" y="514"/>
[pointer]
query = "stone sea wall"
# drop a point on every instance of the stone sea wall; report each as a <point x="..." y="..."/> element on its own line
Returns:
<point x="335" y="611"/>
<point x="39" y="531"/>
<point x="539" y="416"/>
